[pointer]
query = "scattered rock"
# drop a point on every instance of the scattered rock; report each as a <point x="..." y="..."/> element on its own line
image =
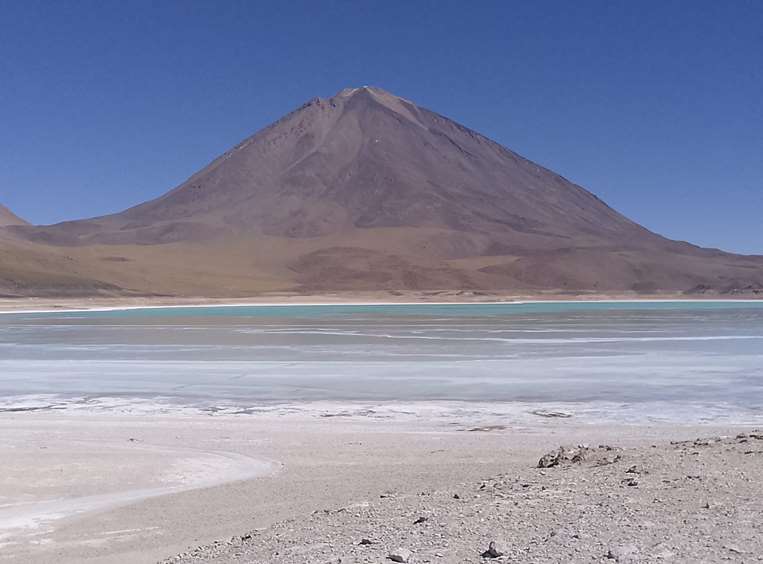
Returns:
<point x="400" y="555"/>
<point x="606" y="461"/>
<point x="660" y="517"/>
<point x="706" y="442"/>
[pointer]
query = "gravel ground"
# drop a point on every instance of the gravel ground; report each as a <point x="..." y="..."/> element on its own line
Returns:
<point x="695" y="501"/>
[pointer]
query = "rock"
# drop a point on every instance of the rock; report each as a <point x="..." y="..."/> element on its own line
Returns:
<point x="624" y="553"/>
<point x="456" y="496"/>
<point x="552" y="413"/>
<point x="662" y="552"/>
<point x="364" y="542"/>
<point x="564" y="455"/>
<point x="606" y="461"/>
<point x="551" y="459"/>
<point x="630" y="482"/>
<point x="400" y="555"/>
<point x="493" y="551"/>
<point x="421" y="520"/>
<point x="632" y="470"/>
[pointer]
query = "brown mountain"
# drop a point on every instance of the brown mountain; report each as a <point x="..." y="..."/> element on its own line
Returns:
<point x="7" y="217"/>
<point x="367" y="191"/>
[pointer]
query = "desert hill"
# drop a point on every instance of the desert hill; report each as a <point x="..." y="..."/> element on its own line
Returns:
<point x="7" y="217"/>
<point x="368" y="191"/>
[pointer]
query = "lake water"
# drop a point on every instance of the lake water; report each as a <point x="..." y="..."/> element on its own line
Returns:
<point x="657" y="361"/>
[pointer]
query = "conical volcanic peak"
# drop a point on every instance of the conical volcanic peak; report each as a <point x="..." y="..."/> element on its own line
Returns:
<point x="366" y="159"/>
<point x="367" y="190"/>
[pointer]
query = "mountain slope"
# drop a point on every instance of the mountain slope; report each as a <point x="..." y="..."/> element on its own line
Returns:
<point x="366" y="190"/>
<point x="363" y="158"/>
<point x="7" y="217"/>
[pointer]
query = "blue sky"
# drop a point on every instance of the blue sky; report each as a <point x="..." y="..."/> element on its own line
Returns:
<point x="657" y="107"/>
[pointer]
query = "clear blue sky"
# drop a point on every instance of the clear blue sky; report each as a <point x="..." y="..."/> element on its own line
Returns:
<point x="657" y="107"/>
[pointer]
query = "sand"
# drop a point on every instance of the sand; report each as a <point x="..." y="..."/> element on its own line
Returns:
<point x="694" y="501"/>
<point x="113" y="487"/>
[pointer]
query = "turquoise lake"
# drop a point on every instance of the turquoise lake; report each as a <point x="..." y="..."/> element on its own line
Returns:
<point x="620" y="361"/>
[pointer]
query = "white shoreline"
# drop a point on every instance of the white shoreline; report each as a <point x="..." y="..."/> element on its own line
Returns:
<point x="36" y="516"/>
<point x="233" y="305"/>
<point x="474" y="413"/>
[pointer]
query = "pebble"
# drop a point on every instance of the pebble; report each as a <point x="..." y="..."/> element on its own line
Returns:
<point x="421" y="520"/>
<point x="624" y="553"/>
<point x="400" y="555"/>
<point x="493" y="551"/>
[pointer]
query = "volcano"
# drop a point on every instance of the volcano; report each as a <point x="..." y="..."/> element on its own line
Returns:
<point x="368" y="191"/>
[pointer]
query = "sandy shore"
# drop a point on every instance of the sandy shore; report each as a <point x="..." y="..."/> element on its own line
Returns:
<point x="689" y="501"/>
<point x="110" y="487"/>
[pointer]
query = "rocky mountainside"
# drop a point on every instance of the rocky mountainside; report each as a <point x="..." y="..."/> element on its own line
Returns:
<point x="368" y="191"/>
